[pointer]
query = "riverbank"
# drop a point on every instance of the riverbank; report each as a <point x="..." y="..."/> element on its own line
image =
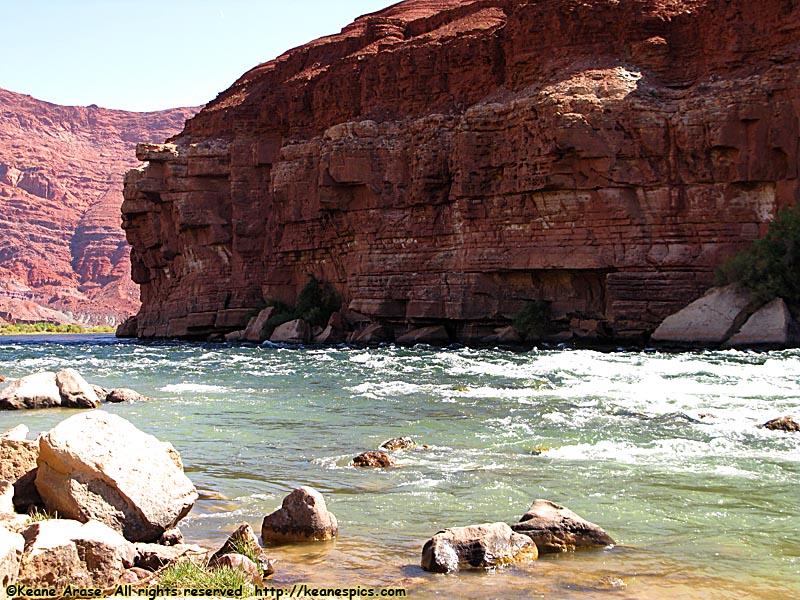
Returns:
<point x="662" y="450"/>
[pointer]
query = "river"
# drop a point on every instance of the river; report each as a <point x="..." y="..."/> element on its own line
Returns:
<point x="662" y="450"/>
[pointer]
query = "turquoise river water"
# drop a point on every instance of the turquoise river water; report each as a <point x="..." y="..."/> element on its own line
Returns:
<point x="662" y="450"/>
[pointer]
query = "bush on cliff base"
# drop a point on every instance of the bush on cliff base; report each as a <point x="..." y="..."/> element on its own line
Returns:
<point x="771" y="266"/>
<point x="534" y="319"/>
<point x="315" y="304"/>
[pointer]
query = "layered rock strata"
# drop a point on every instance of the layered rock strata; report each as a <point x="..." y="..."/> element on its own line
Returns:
<point x="444" y="162"/>
<point x="62" y="254"/>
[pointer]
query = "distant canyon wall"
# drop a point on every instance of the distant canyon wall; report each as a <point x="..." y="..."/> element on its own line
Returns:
<point x="61" y="170"/>
<point x="448" y="161"/>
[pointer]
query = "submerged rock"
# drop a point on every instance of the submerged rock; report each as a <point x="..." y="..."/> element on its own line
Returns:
<point x="125" y="395"/>
<point x="555" y="528"/>
<point x="486" y="546"/>
<point x="303" y="517"/>
<point x="99" y="466"/>
<point x="373" y="459"/>
<point x="399" y="443"/>
<point x="786" y="423"/>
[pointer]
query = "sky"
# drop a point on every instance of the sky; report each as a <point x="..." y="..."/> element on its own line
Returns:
<point x="143" y="55"/>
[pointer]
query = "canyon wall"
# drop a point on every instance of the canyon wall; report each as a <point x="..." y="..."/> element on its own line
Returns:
<point x="61" y="170"/>
<point x="444" y="162"/>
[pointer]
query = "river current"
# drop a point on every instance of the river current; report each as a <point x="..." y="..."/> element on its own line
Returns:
<point x="662" y="450"/>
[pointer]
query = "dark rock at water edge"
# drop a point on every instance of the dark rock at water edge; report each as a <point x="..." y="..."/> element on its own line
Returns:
<point x="485" y="546"/>
<point x="555" y="528"/>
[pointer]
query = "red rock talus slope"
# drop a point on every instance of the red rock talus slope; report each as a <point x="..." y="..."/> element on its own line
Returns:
<point x="445" y="161"/>
<point x="61" y="172"/>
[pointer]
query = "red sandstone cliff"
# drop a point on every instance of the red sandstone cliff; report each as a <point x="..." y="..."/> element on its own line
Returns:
<point x="61" y="172"/>
<point x="444" y="161"/>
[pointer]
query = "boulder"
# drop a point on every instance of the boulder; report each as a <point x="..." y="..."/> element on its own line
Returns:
<point x="486" y="546"/>
<point x="243" y="538"/>
<point x="257" y="328"/>
<point x="770" y="325"/>
<point x="372" y="333"/>
<point x="32" y="391"/>
<point x="75" y="390"/>
<point x="153" y="557"/>
<point x="102" y="393"/>
<point x="11" y="547"/>
<point x="99" y="466"/>
<point x="504" y="335"/>
<point x="293" y="332"/>
<point x="399" y="443"/>
<point x="125" y="395"/>
<point x="710" y="319"/>
<point x="435" y="336"/>
<point x="18" y="465"/>
<point x="330" y="335"/>
<point x="786" y="423"/>
<point x="239" y="561"/>
<point x="303" y="517"/>
<point x="171" y="537"/>
<point x="373" y="459"/>
<point x="16" y="434"/>
<point x="6" y="497"/>
<point x="59" y="552"/>
<point x="234" y="336"/>
<point x="555" y="528"/>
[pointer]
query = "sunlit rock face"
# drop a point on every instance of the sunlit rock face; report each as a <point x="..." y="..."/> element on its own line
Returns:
<point x="443" y="162"/>
<point x="63" y="255"/>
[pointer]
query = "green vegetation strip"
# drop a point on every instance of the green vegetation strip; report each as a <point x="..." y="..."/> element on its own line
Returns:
<point x="27" y="328"/>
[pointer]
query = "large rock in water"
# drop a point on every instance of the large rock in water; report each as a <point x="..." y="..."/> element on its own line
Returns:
<point x="602" y="156"/>
<point x="555" y="528"/>
<point x="99" y="466"/>
<point x="710" y="319"/>
<point x="476" y="547"/>
<point x="302" y="517"/>
<point x="67" y="389"/>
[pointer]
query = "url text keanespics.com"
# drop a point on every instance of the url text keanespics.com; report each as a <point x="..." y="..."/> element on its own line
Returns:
<point x="298" y="590"/>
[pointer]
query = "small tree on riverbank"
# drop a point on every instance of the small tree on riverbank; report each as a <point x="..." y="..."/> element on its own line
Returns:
<point x="771" y="266"/>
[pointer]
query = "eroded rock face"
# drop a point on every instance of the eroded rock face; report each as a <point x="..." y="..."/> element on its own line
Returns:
<point x="555" y="528"/>
<point x="61" y="168"/>
<point x="18" y="458"/>
<point x="99" y="466"/>
<point x="485" y="546"/>
<point x="602" y="156"/>
<point x="61" y="552"/>
<point x="303" y="517"/>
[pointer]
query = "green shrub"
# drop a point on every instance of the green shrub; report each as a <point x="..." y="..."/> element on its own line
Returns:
<point x="771" y="266"/>
<point x="534" y="319"/>
<point x="315" y="304"/>
<point x="186" y="574"/>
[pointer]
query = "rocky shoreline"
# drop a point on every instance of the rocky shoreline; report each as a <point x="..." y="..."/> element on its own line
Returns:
<point x="94" y="503"/>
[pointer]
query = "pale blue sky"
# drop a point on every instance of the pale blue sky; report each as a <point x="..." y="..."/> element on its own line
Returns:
<point x="153" y="54"/>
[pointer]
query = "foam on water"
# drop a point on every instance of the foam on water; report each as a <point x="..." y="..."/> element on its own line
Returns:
<point x="663" y="450"/>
